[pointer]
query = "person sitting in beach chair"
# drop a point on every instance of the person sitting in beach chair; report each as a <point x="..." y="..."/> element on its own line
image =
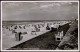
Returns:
<point x="59" y="36"/>
<point x="59" y="27"/>
<point x="24" y="27"/>
<point x="39" y="26"/>
<point x="15" y="27"/>
<point x="20" y="27"/>
<point x="33" y="32"/>
<point x="47" y="28"/>
<point x="18" y="36"/>
<point x="36" y="28"/>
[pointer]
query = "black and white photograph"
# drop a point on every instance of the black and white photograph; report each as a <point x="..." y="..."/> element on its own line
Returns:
<point x="40" y="25"/>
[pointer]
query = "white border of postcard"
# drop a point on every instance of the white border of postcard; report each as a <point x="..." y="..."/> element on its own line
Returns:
<point x="39" y="1"/>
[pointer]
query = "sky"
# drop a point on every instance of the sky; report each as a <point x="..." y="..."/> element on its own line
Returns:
<point x="17" y="11"/>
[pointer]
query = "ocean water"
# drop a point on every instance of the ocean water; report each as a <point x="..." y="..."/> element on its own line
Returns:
<point x="16" y="22"/>
<point x="29" y="22"/>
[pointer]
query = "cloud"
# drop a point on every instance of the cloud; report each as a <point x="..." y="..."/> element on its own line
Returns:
<point x="39" y="11"/>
